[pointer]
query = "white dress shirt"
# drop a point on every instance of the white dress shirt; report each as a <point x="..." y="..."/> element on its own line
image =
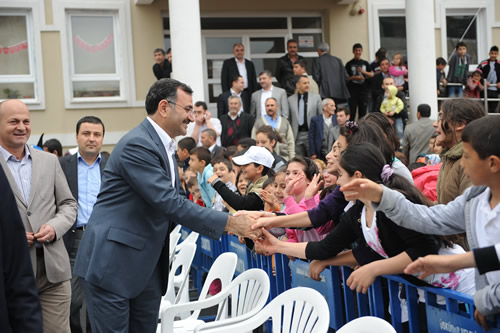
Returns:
<point x="265" y="95"/>
<point x="242" y="69"/>
<point x="170" y="147"/>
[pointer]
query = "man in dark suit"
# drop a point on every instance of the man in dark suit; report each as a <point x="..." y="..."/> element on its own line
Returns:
<point x="330" y="74"/>
<point x="239" y="66"/>
<point x="162" y="68"/>
<point x="284" y="67"/>
<point x="208" y="140"/>
<point x="124" y="253"/>
<point x="83" y="172"/>
<point x="236" y="125"/>
<point x="377" y="82"/>
<point x="322" y="130"/>
<point x="20" y="309"/>
<point x="237" y="89"/>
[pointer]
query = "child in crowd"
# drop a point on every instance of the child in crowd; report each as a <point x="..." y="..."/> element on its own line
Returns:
<point x="398" y="70"/>
<point x="267" y="194"/>
<point x="245" y="143"/>
<point x="391" y="107"/>
<point x="223" y="170"/>
<point x="474" y="86"/>
<point x="383" y="247"/>
<point x="301" y="193"/>
<point x="268" y="137"/>
<point x="184" y="147"/>
<point x="199" y="162"/>
<point x="474" y="212"/>
<point x="241" y="183"/>
<point x="441" y="77"/>
<point x="457" y="71"/>
<point x="255" y="163"/>
<point x="329" y="179"/>
<point x="194" y="190"/>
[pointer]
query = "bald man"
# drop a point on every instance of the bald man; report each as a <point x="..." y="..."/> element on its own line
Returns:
<point x="47" y="210"/>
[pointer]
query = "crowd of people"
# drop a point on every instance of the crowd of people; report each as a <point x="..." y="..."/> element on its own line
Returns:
<point x="322" y="168"/>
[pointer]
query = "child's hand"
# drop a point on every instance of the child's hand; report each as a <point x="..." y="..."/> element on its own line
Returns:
<point x="361" y="279"/>
<point x="314" y="186"/>
<point x="268" y="197"/>
<point x="212" y="179"/>
<point x="268" y="244"/>
<point x="315" y="269"/>
<point x="292" y="184"/>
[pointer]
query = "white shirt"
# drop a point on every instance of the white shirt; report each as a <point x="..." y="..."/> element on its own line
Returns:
<point x="216" y="124"/>
<point x="242" y="69"/>
<point x="488" y="227"/>
<point x="327" y="121"/>
<point x="371" y="234"/>
<point x="265" y="95"/>
<point x="170" y="147"/>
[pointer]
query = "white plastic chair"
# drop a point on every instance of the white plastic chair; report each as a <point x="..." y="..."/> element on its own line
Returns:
<point x="241" y="299"/>
<point x="183" y="260"/>
<point x="367" y="324"/>
<point x="299" y="309"/>
<point x="223" y="269"/>
<point x="175" y="235"/>
<point x="178" y="279"/>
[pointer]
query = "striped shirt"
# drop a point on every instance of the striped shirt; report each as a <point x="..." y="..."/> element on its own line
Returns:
<point x="20" y="170"/>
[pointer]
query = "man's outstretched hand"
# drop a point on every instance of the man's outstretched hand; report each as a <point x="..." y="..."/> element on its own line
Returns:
<point x="241" y="225"/>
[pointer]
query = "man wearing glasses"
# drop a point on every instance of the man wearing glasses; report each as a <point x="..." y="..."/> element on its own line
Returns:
<point x="203" y="120"/>
<point x="124" y="254"/>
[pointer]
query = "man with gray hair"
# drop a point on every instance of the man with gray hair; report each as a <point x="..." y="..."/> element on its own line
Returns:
<point x="236" y="124"/>
<point x="330" y="74"/>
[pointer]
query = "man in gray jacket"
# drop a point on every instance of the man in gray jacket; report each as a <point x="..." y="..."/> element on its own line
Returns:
<point x="417" y="134"/>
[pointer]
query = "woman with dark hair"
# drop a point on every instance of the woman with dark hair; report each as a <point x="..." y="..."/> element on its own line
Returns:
<point x="454" y="115"/>
<point x="268" y="137"/>
<point x="383" y="247"/>
<point x="385" y="126"/>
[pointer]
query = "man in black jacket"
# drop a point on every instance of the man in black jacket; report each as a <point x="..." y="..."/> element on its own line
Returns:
<point x="20" y="309"/>
<point x="239" y="66"/>
<point x="162" y="68"/>
<point x="284" y="67"/>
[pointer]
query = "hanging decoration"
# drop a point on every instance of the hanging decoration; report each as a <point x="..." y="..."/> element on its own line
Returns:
<point x="14" y="48"/>
<point x="93" y="48"/>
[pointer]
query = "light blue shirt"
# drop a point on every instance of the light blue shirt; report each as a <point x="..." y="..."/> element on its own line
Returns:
<point x="20" y="170"/>
<point x="271" y="121"/>
<point x="89" y="183"/>
<point x="207" y="191"/>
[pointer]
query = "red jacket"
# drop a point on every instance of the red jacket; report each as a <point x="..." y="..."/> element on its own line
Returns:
<point x="425" y="179"/>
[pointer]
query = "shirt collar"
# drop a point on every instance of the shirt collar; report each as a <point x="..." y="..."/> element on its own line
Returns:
<point x="168" y="142"/>
<point x="239" y="62"/>
<point x="80" y="158"/>
<point x="212" y="147"/>
<point x="234" y="92"/>
<point x="6" y="155"/>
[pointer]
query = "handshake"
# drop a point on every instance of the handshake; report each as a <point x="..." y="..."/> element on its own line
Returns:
<point x="248" y="224"/>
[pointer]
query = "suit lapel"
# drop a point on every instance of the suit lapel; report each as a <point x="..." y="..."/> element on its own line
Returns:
<point x="156" y="139"/>
<point x="35" y="175"/>
<point x="12" y="181"/>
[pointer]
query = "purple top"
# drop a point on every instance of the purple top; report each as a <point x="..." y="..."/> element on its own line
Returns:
<point x="330" y="208"/>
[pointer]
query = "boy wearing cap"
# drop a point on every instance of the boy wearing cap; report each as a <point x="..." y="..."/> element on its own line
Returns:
<point x="255" y="163"/>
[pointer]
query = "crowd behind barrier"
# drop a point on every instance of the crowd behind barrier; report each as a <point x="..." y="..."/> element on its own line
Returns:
<point x="455" y="315"/>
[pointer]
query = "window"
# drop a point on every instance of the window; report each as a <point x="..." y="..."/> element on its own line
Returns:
<point x="94" y="62"/>
<point x="462" y="27"/>
<point x="393" y="34"/>
<point x="17" y="72"/>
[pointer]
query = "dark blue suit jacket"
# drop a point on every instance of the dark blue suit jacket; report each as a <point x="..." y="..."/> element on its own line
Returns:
<point x="20" y="309"/>
<point x="127" y="233"/>
<point x="316" y="135"/>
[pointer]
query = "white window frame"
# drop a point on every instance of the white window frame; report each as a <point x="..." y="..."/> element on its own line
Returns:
<point x="123" y="52"/>
<point x="94" y="77"/>
<point x="31" y="10"/>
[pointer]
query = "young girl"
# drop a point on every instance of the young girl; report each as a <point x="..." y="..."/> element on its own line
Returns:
<point x="398" y="71"/>
<point x="268" y="137"/>
<point x="241" y="183"/>
<point x="474" y="86"/>
<point x="301" y="193"/>
<point x="383" y="247"/>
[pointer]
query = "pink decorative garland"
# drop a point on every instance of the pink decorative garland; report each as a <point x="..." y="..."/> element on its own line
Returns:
<point x="14" y="48"/>
<point x="93" y="48"/>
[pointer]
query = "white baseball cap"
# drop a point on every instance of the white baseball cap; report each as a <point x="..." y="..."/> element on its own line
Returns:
<point x="254" y="154"/>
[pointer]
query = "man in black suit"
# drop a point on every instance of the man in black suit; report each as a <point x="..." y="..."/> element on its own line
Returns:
<point x="237" y="89"/>
<point x="20" y="309"/>
<point x="239" y="66"/>
<point x="208" y="140"/>
<point x="83" y="172"/>
<point x="162" y="68"/>
<point x="377" y="82"/>
<point x="236" y="125"/>
<point x="284" y="67"/>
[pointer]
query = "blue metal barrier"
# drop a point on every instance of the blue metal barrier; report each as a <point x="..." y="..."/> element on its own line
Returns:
<point x="456" y="315"/>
